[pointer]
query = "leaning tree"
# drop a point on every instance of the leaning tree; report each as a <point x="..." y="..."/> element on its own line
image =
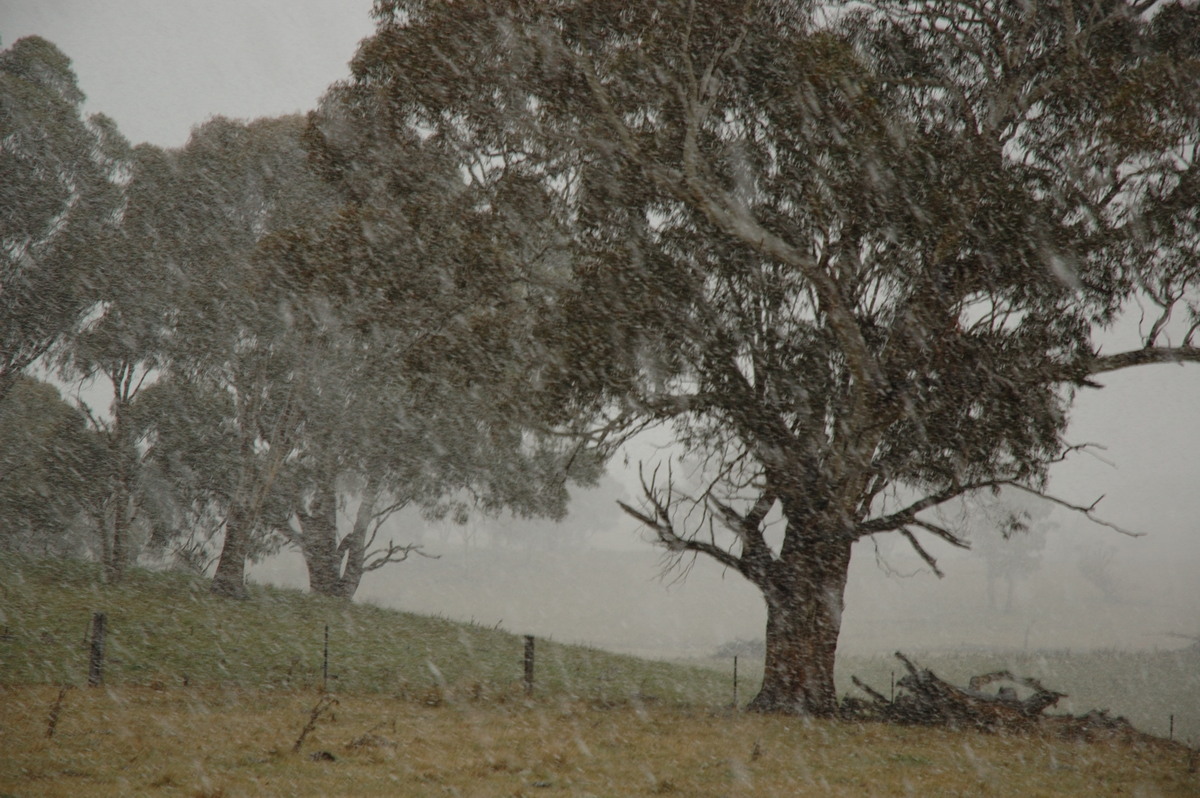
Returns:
<point x="856" y="256"/>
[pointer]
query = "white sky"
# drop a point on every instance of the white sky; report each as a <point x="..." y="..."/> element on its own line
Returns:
<point x="159" y="67"/>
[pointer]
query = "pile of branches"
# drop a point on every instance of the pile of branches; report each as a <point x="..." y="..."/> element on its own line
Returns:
<point x="926" y="700"/>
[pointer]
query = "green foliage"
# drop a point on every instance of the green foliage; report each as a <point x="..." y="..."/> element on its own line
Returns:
<point x="59" y="194"/>
<point x="51" y="470"/>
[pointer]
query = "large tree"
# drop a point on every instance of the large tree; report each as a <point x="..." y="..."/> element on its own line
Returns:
<point x="232" y="347"/>
<point x="120" y="347"/>
<point x="423" y="347"/>
<point x="857" y="256"/>
<point x="60" y="191"/>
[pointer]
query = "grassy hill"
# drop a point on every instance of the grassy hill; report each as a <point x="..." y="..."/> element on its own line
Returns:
<point x="209" y="697"/>
<point x="164" y="629"/>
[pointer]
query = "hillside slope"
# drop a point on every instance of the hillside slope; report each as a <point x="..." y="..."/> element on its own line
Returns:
<point x="165" y="629"/>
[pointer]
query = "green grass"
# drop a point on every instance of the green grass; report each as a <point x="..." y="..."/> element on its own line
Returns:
<point x="164" y="629"/>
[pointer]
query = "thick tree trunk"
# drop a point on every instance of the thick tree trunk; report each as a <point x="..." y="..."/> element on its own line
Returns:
<point x="319" y="542"/>
<point x="230" y="577"/>
<point x="804" y="616"/>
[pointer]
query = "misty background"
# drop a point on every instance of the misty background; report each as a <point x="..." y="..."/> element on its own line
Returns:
<point x="160" y="68"/>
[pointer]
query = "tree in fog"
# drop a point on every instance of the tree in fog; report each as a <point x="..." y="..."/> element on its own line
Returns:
<point x="857" y="257"/>
<point x="122" y="347"/>
<point x="1008" y="531"/>
<point x="52" y="471"/>
<point x="60" y="191"/>
<point x="231" y="350"/>
<point x="423" y="352"/>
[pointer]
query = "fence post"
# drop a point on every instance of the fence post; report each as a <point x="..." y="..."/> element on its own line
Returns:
<point x="96" y="659"/>
<point x="735" y="697"/>
<point x="325" y="664"/>
<point x="528" y="665"/>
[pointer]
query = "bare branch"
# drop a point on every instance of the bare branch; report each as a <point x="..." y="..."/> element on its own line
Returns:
<point x="943" y="533"/>
<point x="377" y="559"/>
<point x="1141" y="357"/>
<point x="664" y="528"/>
<point x="677" y="544"/>
<point x="908" y="515"/>
<point x="926" y="556"/>
<point x="1087" y="511"/>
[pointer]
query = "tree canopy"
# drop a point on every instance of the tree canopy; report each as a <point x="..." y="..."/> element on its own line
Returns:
<point x="60" y="190"/>
<point x="855" y="255"/>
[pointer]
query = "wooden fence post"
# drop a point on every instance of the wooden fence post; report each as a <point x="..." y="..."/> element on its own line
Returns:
<point x="528" y="665"/>
<point x="96" y="658"/>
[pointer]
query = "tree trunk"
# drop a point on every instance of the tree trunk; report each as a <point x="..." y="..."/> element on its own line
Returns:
<point x="804" y="598"/>
<point x="319" y="541"/>
<point x="116" y="548"/>
<point x="355" y="544"/>
<point x="119" y="519"/>
<point x="230" y="577"/>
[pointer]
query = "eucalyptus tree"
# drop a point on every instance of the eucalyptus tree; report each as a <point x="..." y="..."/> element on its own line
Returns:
<point x="121" y="345"/>
<point x="60" y="190"/>
<point x="228" y="346"/>
<point x="856" y="256"/>
<point x="52" y="468"/>
<point x="415" y="402"/>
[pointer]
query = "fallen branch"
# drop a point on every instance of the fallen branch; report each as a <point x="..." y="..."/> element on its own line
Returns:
<point x="924" y="699"/>
<point x="55" y="710"/>
<point x="326" y="703"/>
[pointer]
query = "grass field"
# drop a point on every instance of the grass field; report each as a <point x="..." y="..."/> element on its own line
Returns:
<point x="207" y="697"/>
<point x="210" y="742"/>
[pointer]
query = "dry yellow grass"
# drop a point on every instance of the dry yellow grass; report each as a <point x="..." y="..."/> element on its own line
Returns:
<point x="130" y="741"/>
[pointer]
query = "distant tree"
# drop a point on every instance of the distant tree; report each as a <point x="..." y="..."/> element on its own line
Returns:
<point x="855" y="254"/>
<point x="409" y="299"/>
<point x="121" y="346"/>
<point x="60" y="190"/>
<point x="231" y="347"/>
<point x="51" y="470"/>
<point x="1009" y="532"/>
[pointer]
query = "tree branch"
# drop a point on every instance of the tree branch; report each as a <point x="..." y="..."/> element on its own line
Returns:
<point x="377" y="559"/>
<point x="908" y="515"/>
<point x="664" y="529"/>
<point x="926" y="556"/>
<point x="1101" y="364"/>
<point x="1087" y="511"/>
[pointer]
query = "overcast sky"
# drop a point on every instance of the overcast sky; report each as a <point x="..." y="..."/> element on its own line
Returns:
<point x="159" y="67"/>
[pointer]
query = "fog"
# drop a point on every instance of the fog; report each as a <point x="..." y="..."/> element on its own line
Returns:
<point x="600" y="581"/>
<point x="158" y="68"/>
